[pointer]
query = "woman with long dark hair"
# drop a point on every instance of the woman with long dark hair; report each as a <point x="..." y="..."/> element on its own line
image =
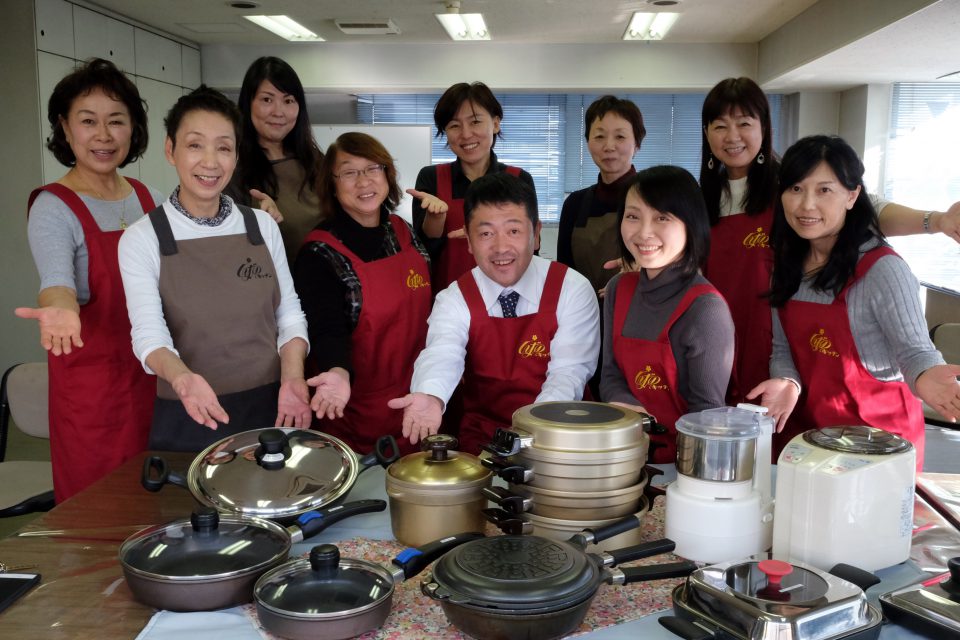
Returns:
<point x="279" y="158"/>
<point x="848" y="328"/>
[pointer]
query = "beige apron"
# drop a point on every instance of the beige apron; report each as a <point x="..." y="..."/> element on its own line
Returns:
<point x="594" y="244"/>
<point x="220" y="297"/>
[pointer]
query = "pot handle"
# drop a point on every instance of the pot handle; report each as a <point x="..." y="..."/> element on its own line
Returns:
<point x="507" y="522"/>
<point x="685" y="629"/>
<point x="510" y="502"/>
<point x="856" y="575"/>
<point x="163" y="475"/>
<point x="651" y="491"/>
<point x="508" y="443"/>
<point x="655" y="572"/>
<point x="412" y="561"/>
<point x="512" y="473"/>
<point x="385" y="452"/>
<point x="592" y="536"/>
<point x="311" y="523"/>
<point x="638" y="551"/>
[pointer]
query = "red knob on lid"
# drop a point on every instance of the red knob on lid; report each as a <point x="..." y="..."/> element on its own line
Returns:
<point x="775" y="570"/>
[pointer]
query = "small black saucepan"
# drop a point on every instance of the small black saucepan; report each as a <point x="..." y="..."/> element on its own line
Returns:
<point x="212" y="560"/>
<point x="327" y="597"/>
<point x="509" y="587"/>
<point x="271" y="473"/>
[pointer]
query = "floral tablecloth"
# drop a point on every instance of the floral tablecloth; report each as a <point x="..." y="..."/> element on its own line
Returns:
<point x="417" y="616"/>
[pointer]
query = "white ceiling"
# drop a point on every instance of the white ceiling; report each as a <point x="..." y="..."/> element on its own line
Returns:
<point x="917" y="47"/>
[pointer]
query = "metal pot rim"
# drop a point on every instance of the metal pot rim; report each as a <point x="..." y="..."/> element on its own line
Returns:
<point x="623" y="492"/>
<point x="579" y="525"/>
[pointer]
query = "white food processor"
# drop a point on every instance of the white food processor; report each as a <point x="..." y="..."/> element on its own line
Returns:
<point x="720" y="507"/>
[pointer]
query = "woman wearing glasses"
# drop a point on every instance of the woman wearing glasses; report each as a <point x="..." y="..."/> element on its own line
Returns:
<point x="364" y="282"/>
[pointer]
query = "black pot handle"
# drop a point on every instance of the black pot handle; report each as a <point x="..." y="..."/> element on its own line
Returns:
<point x="592" y="536"/>
<point x="685" y="629"/>
<point x="658" y="571"/>
<point x="313" y="522"/>
<point x="512" y="473"/>
<point x="163" y="475"/>
<point x="385" y="452"/>
<point x="650" y="491"/>
<point x="508" y="501"/>
<point x="414" y="560"/>
<point x="856" y="575"/>
<point x="507" y="522"/>
<point x="644" y="550"/>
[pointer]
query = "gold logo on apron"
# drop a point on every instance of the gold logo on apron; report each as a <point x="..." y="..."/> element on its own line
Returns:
<point x="647" y="379"/>
<point x="533" y="348"/>
<point x="416" y="281"/>
<point x="820" y="343"/>
<point x="757" y="239"/>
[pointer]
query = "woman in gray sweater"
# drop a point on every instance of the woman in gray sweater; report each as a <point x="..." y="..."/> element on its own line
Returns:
<point x="668" y="336"/>
<point x="850" y="344"/>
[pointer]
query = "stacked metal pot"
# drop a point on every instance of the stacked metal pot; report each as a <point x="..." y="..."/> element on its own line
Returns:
<point x="569" y="466"/>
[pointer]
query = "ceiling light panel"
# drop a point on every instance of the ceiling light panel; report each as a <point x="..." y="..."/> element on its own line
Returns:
<point x="285" y="27"/>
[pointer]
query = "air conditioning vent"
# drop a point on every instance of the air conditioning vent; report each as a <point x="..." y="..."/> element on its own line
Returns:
<point x="368" y="27"/>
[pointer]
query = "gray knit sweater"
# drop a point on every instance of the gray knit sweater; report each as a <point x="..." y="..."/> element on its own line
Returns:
<point x="701" y="339"/>
<point x="886" y="320"/>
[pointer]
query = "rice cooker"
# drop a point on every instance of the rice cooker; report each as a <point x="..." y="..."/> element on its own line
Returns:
<point x="845" y="494"/>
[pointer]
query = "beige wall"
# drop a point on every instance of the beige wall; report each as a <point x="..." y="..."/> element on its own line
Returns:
<point x="20" y="171"/>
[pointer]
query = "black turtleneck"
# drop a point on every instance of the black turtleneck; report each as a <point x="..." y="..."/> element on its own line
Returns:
<point x="592" y="202"/>
<point x="701" y="339"/>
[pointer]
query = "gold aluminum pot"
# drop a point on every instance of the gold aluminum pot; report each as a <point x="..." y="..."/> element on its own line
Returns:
<point x="583" y="471"/>
<point x="436" y="492"/>
<point x="572" y="426"/>
<point x="562" y="529"/>
<point x="584" y="505"/>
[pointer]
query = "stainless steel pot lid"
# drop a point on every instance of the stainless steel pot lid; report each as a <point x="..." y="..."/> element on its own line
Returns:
<point x="722" y="423"/>
<point x="324" y="586"/>
<point x="206" y="546"/>
<point x="776" y="581"/>
<point x="857" y="439"/>
<point x="516" y="573"/>
<point x="273" y="473"/>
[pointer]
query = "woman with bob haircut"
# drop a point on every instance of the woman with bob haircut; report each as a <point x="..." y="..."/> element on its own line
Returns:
<point x="587" y="232"/>
<point x="100" y="397"/>
<point x="364" y="279"/>
<point x="848" y="327"/>
<point x="668" y="336"/>
<point x="469" y="115"/>
<point x="279" y="157"/>
<point x="209" y="294"/>
<point x="738" y="175"/>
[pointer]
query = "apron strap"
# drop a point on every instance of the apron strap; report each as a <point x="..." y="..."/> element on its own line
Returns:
<point x="161" y="227"/>
<point x="445" y="182"/>
<point x="621" y="305"/>
<point x="552" y="288"/>
<point x="143" y="194"/>
<point x="692" y="294"/>
<point x="250" y="222"/>
<point x="72" y="200"/>
<point x="863" y="265"/>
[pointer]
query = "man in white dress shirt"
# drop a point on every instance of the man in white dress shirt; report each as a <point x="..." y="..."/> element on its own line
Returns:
<point x="518" y="328"/>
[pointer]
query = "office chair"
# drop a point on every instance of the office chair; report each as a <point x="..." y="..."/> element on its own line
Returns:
<point x="25" y="486"/>
<point x="946" y="338"/>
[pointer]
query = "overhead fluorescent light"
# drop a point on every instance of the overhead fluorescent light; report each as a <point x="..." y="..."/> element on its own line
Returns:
<point x="285" y="27"/>
<point x="464" y="26"/>
<point x="649" y="26"/>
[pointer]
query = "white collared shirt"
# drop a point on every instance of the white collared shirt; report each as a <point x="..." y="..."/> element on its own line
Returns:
<point x="573" y="350"/>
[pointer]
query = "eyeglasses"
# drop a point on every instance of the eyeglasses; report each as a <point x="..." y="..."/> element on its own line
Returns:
<point x="352" y="175"/>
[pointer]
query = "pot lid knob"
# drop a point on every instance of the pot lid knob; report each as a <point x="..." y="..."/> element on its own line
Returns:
<point x="775" y="570"/>
<point x="273" y="449"/>
<point x="324" y="560"/>
<point x="438" y="445"/>
<point x="205" y="519"/>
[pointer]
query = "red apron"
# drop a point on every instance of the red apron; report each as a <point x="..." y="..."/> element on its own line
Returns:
<point x="455" y="259"/>
<point x="507" y="358"/>
<point x="739" y="266"/>
<point x="390" y="333"/>
<point x="650" y="367"/>
<point x="101" y="399"/>
<point x="838" y="389"/>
